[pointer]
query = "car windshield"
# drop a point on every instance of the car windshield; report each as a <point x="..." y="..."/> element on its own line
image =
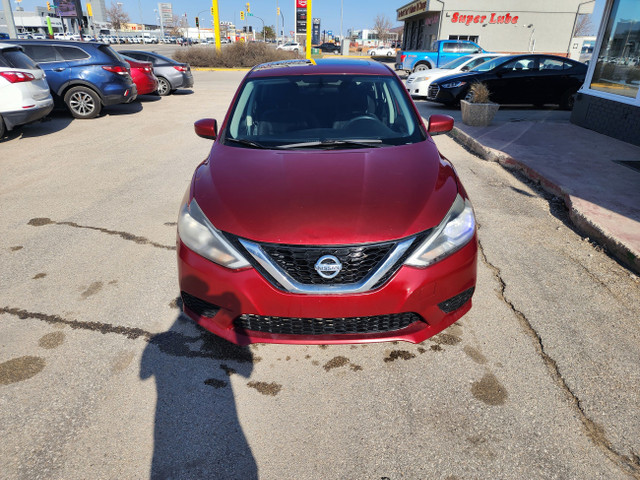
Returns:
<point x="457" y="62"/>
<point x="322" y="111"/>
<point x="491" y="64"/>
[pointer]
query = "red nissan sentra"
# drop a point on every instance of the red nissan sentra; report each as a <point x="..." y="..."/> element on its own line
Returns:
<point x="142" y="75"/>
<point x="325" y="214"/>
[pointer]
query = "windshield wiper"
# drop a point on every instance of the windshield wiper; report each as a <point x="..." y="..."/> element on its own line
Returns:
<point x="247" y="143"/>
<point x="336" y="143"/>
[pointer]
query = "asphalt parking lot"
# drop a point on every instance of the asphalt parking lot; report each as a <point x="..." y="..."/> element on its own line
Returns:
<point x="102" y="377"/>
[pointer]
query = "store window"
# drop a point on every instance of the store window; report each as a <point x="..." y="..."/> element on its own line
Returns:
<point x="472" y="38"/>
<point x="617" y="70"/>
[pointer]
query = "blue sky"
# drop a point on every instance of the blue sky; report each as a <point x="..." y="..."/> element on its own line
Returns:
<point x="358" y="14"/>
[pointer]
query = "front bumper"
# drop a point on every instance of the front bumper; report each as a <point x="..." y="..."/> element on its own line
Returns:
<point x="28" y="115"/>
<point x="238" y="292"/>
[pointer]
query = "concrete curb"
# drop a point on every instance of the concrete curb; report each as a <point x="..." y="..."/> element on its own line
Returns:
<point x="588" y="226"/>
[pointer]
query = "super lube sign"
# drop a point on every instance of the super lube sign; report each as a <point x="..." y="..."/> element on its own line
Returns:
<point x="493" y="18"/>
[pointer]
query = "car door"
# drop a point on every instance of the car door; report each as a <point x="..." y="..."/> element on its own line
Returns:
<point x="50" y="60"/>
<point x="515" y="81"/>
<point x="555" y="79"/>
<point x="448" y="52"/>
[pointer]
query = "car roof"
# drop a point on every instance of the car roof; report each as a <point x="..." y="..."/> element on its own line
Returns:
<point x="4" y="45"/>
<point x="320" y="67"/>
<point x="36" y="41"/>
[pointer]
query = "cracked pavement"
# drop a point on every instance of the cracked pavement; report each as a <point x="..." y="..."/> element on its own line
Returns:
<point x="100" y="375"/>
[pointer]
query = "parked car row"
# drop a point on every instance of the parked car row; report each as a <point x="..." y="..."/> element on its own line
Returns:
<point x="24" y="92"/>
<point x="83" y="76"/>
<point x="531" y="79"/>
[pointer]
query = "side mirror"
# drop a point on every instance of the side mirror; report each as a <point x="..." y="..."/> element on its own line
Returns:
<point x="206" y="128"/>
<point x="440" y="124"/>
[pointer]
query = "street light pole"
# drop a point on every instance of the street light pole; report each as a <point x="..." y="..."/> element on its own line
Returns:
<point x="8" y="15"/>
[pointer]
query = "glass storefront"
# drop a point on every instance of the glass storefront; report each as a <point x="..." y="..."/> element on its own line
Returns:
<point x="617" y="70"/>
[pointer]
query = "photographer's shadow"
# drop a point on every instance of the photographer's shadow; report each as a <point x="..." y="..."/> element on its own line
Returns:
<point x="197" y="433"/>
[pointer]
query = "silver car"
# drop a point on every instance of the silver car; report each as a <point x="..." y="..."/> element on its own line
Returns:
<point x="171" y="74"/>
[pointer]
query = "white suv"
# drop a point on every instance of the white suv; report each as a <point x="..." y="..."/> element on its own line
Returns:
<point x="290" y="47"/>
<point x="24" y="93"/>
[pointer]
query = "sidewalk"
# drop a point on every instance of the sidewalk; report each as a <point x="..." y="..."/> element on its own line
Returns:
<point x="573" y="163"/>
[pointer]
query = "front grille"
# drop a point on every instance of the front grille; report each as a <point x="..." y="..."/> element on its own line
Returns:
<point x="433" y="91"/>
<point x="299" y="261"/>
<point x="199" y="306"/>
<point x="326" y="326"/>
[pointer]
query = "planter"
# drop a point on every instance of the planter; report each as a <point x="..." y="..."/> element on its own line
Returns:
<point x="478" y="114"/>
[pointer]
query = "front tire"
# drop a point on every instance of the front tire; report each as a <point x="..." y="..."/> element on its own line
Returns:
<point x="164" y="87"/>
<point x="421" y="67"/>
<point x="83" y="102"/>
<point x="389" y="54"/>
<point x="567" y="100"/>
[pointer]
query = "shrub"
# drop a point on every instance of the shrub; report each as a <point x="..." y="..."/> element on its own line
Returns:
<point x="478" y="93"/>
<point x="237" y="55"/>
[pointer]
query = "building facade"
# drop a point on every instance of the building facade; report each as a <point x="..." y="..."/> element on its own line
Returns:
<point x="609" y="100"/>
<point x="515" y="26"/>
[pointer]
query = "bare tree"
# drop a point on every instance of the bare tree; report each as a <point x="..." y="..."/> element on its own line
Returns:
<point x="584" y="27"/>
<point x="382" y="25"/>
<point x="178" y="26"/>
<point x="116" y="16"/>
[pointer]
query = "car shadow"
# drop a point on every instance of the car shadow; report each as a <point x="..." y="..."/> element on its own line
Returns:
<point x="123" y="109"/>
<point x="150" y="98"/>
<point x="181" y="91"/>
<point x="197" y="433"/>
<point x="56" y="121"/>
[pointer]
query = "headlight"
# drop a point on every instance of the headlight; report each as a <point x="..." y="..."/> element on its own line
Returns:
<point x="453" y="233"/>
<point x="453" y="84"/>
<point x="199" y="234"/>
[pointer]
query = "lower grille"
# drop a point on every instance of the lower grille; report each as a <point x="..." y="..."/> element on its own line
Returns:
<point x="433" y="91"/>
<point x="326" y="326"/>
<point x="456" y="302"/>
<point x="199" y="306"/>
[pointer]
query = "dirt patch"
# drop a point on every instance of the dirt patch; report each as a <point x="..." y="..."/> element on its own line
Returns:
<point x="436" y="348"/>
<point x="215" y="383"/>
<point x="38" y="276"/>
<point x="446" y="339"/>
<point x="92" y="289"/>
<point x="122" y="361"/>
<point x="489" y="390"/>
<point x="396" y="354"/>
<point x="265" y="388"/>
<point x="51" y="340"/>
<point x="39" y="222"/>
<point x="336" y="362"/>
<point x="19" y="369"/>
<point x="16" y="248"/>
<point x="475" y="355"/>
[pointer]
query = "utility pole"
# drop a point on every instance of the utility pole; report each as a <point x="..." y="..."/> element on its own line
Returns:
<point x="216" y="22"/>
<point x="8" y="15"/>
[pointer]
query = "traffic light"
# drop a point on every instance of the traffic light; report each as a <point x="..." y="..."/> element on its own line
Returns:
<point x="212" y="12"/>
<point x="278" y="11"/>
<point x="248" y="8"/>
<point x="197" y="22"/>
<point x="241" y="14"/>
<point x="49" y="6"/>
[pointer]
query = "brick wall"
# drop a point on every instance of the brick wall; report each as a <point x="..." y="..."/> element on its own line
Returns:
<point x="617" y="120"/>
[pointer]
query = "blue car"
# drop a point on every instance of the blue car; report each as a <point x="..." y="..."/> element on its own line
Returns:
<point x="84" y="76"/>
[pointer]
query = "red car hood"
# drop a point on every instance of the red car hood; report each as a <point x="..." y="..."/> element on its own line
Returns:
<point x="325" y="197"/>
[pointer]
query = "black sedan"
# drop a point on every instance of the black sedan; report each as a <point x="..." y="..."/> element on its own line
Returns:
<point x="329" y="48"/>
<point x="516" y="79"/>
